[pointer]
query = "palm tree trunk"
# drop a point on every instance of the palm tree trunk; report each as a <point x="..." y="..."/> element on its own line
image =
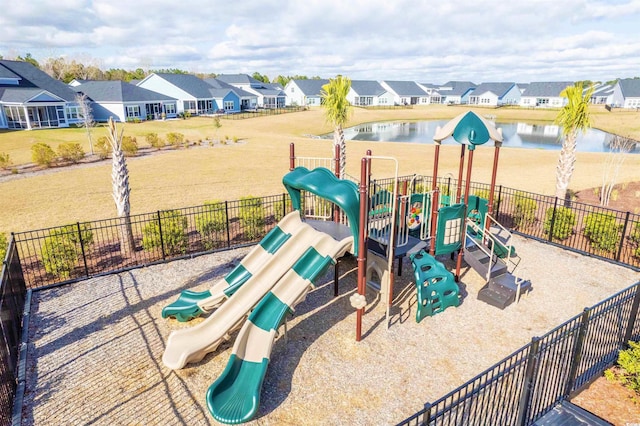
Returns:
<point x="566" y="165"/>
<point x="338" y="140"/>
<point x="120" y="182"/>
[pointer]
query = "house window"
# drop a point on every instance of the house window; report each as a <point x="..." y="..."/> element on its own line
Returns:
<point x="170" y="108"/>
<point x="190" y="106"/>
<point x="382" y="101"/>
<point x="424" y="100"/>
<point x="228" y="106"/>
<point x="525" y="101"/>
<point x="133" y="111"/>
<point x="73" y="113"/>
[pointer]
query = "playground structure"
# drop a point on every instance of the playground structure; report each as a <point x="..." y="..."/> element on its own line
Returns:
<point x="331" y="217"/>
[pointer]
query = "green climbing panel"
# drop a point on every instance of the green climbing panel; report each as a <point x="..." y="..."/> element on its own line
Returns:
<point x="437" y="289"/>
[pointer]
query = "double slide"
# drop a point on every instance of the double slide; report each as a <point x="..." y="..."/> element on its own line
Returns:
<point x="278" y="281"/>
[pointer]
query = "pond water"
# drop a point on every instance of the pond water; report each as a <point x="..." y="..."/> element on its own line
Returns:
<point x="516" y="135"/>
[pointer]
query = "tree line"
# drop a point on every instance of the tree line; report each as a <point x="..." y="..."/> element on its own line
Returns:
<point x="88" y="68"/>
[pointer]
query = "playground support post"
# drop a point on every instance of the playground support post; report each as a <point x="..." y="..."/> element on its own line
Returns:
<point x="494" y="173"/>
<point x="435" y="200"/>
<point x="292" y="157"/>
<point x="362" y="247"/>
<point x="466" y="203"/>
<point x="460" y="169"/>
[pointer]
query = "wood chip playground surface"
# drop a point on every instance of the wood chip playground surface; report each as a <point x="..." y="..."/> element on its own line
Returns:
<point x="95" y="347"/>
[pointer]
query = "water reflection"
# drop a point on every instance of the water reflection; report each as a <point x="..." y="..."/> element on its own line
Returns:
<point x="517" y="135"/>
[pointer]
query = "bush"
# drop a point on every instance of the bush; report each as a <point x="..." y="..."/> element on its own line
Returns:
<point x="70" y="152"/>
<point x="484" y="193"/>
<point x="43" y="155"/>
<point x="251" y="215"/>
<point x="102" y="147"/>
<point x="59" y="254"/>
<point x="174" y="233"/>
<point x="635" y="234"/>
<point x="211" y="223"/>
<point x="628" y="370"/>
<point x="5" y="161"/>
<point x="563" y="225"/>
<point x="280" y="209"/>
<point x="3" y="245"/>
<point x="602" y="231"/>
<point x="175" y="139"/>
<point x="129" y="146"/>
<point x="154" y="140"/>
<point x="524" y="213"/>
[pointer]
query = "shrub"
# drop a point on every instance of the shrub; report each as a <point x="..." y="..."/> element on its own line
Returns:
<point x="5" y="161"/>
<point x="129" y="146"/>
<point x="563" y="225"/>
<point x="627" y="371"/>
<point x="43" y="155"/>
<point x="3" y="245"/>
<point x="251" y="215"/>
<point x="174" y="233"/>
<point x="280" y="209"/>
<point x="70" y="152"/>
<point x="524" y="213"/>
<point x="154" y="140"/>
<point x="175" y="139"/>
<point x="86" y="234"/>
<point x="635" y="234"/>
<point x="602" y="231"/>
<point x="484" y="193"/>
<point x="211" y="223"/>
<point x="59" y="254"/>
<point x="102" y="147"/>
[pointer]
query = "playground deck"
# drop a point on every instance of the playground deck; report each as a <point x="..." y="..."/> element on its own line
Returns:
<point x="95" y="347"/>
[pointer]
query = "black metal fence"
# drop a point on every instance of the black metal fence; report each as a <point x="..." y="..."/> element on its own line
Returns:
<point x="85" y="249"/>
<point x="527" y="384"/>
<point x="262" y="112"/>
<point x="12" y="299"/>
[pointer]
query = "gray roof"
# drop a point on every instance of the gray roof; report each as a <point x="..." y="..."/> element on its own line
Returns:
<point x="499" y="89"/>
<point x="221" y="88"/>
<point x="367" y="87"/>
<point x="32" y="77"/>
<point x="630" y="87"/>
<point x="119" y="91"/>
<point x="546" y="88"/>
<point x="406" y="88"/>
<point x="18" y="95"/>
<point x="7" y="73"/>
<point x="191" y="84"/>
<point x="238" y="79"/>
<point x="603" y="90"/>
<point x="311" y="87"/>
<point x="458" y="88"/>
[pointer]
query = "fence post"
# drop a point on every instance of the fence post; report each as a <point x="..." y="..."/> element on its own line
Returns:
<point x="577" y="352"/>
<point x="525" y="398"/>
<point x="226" y="213"/>
<point x="628" y="334"/>
<point x="499" y="201"/>
<point x="84" y="256"/>
<point x="624" y="231"/>
<point x="553" y="220"/>
<point x="284" y="205"/>
<point x="161" y="237"/>
<point x="427" y="414"/>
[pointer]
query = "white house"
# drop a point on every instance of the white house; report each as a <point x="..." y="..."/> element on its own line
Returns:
<point x="368" y="93"/>
<point x="456" y="92"/>
<point x="626" y="93"/>
<point x="495" y="94"/>
<point x="406" y="92"/>
<point x="544" y="94"/>
<point x="304" y="92"/>
<point x="602" y="94"/>
<point x="268" y="95"/>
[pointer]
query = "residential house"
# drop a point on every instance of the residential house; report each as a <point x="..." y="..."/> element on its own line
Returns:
<point x="224" y="93"/>
<point x="268" y="95"/>
<point x="406" y="92"/>
<point x="495" y="94"/>
<point x="433" y="91"/>
<point x="456" y="92"/>
<point x="626" y="93"/>
<point x="304" y="92"/>
<point x="368" y="93"/>
<point x="124" y="101"/>
<point x="194" y="95"/>
<point x="602" y="94"/>
<point x="31" y="99"/>
<point x="544" y="94"/>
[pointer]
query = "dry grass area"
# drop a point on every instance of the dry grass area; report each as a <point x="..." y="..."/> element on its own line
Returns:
<point x="255" y="166"/>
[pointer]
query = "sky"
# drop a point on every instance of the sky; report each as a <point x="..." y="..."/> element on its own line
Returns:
<point x="418" y="40"/>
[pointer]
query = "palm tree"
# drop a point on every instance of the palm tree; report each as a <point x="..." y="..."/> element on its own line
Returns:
<point x="574" y="117"/>
<point x="121" y="190"/>
<point x="334" y="101"/>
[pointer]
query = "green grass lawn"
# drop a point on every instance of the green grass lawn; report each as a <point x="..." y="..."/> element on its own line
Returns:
<point x="255" y="166"/>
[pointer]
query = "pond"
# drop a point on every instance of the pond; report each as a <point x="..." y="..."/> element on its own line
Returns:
<point x="516" y="135"/>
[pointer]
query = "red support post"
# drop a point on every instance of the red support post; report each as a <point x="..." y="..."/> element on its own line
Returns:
<point x="466" y="204"/>
<point x="494" y="173"/>
<point x="292" y="156"/>
<point x="362" y="242"/>
<point x="435" y="201"/>
<point x="460" y="169"/>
